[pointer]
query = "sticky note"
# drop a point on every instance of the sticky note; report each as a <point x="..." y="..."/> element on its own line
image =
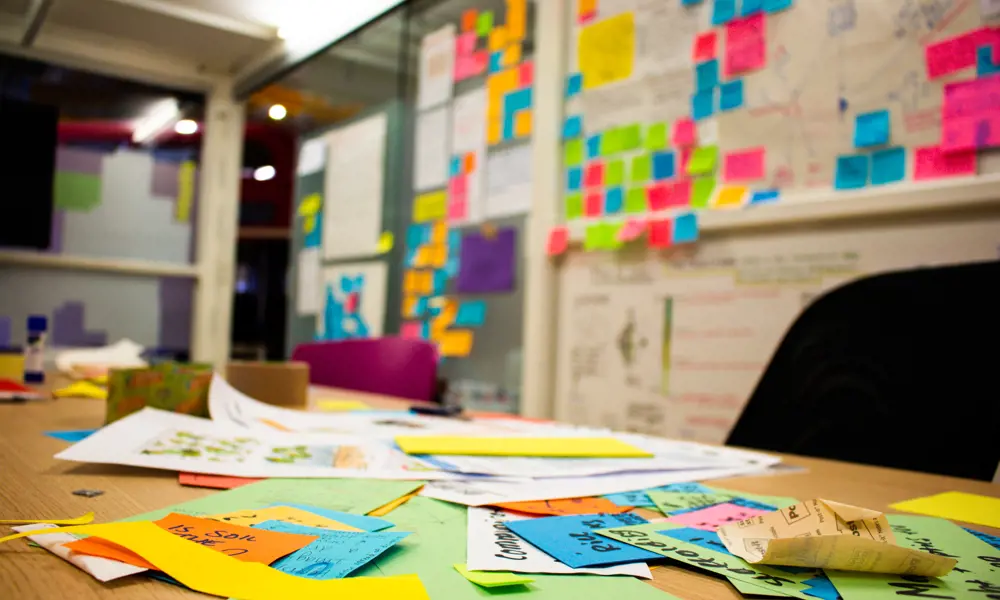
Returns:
<point x="662" y="196"/>
<point x="686" y="228"/>
<point x="558" y="241"/>
<point x="573" y="153"/>
<point x="574" y="84"/>
<point x="498" y="39"/>
<point x="751" y="7"/>
<point x="614" y="172"/>
<point x="496" y="62"/>
<point x="430" y="206"/>
<point x="555" y="447"/>
<point x="704" y="47"/>
<point x="574" y="206"/>
<point x="512" y="55"/>
<point x="471" y="313"/>
<point x="484" y="23"/>
<point x="703" y="160"/>
<point x="663" y="165"/>
<point x="334" y="554"/>
<point x="585" y="10"/>
<point x="660" y="234"/>
<point x="723" y="11"/>
<point x="701" y="191"/>
<point x="642" y="168"/>
<point x="573" y="127"/>
<point x="706" y="75"/>
<point x="574" y="179"/>
<point x="731" y="95"/>
<point x="570" y="539"/>
<point x="594" y="205"/>
<point x="594" y="174"/>
<point x="958" y="506"/>
<point x="635" y="200"/>
<point x="764" y="196"/>
<point x="333" y="405"/>
<point x="657" y="137"/>
<point x="611" y="142"/>
<point x="632" y="229"/>
<point x="631" y="136"/>
<point x="773" y="6"/>
<point x="606" y="50"/>
<point x="731" y="196"/>
<point x="494" y="131"/>
<point x="71" y="435"/>
<point x="931" y="162"/>
<point x="984" y="62"/>
<point x="685" y="132"/>
<point x="492" y="579"/>
<point x="852" y="172"/>
<point x="594" y="146"/>
<point x="871" y="129"/>
<point x="703" y="105"/>
<point x="614" y="200"/>
<point x="82" y="389"/>
<point x="526" y="73"/>
<point x="957" y="53"/>
<point x="523" y="123"/>
<point x="360" y="522"/>
<point x="281" y="513"/>
<point x="596" y="237"/>
<point x="888" y="166"/>
<point x="744" y="165"/>
<point x="456" y="343"/>
<point x="746" y="44"/>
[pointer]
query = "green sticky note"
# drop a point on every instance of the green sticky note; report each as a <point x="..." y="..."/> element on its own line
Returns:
<point x="602" y="236"/>
<point x="573" y="151"/>
<point x="631" y="137"/>
<point x="642" y="168"/>
<point x="657" y="137"/>
<point x="574" y="206"/>
<point x="701" y="191"/>
<point x="77" y="191"/>
<point x="703" y="160"/>
<point x="492" y="579"/>
<point x="611" y="142"/>
<point x="614" y="173"/>
<point x="635" y="200"/>
<point x="484" y="23"/>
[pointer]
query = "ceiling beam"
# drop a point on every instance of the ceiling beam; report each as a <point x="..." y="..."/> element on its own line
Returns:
<point x="38" y="10"/>
<point x="202" y="17"/>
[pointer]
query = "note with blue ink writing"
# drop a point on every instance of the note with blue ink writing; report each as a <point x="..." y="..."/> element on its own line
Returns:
<point x="571" y="539"/>
<point x="471" y="313"/>
<point x="335" y="554"/>
<point x="365" y="523"/>
<point x="852" y="172"/>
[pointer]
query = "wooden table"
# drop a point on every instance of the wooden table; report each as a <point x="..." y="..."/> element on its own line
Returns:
<point x="34" y="484"/>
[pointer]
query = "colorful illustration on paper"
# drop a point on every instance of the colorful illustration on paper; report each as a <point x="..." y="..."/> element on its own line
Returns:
<point x="343" y="319"/>
<point x="341" y="457"/>
<point x="185" y="444"/>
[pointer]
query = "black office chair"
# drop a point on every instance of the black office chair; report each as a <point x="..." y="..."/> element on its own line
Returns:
<point x="899" y="370"/>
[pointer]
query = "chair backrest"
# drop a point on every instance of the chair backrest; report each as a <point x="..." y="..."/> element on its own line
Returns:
<point x="393" y="366"/>
<point x="900" y="370"/>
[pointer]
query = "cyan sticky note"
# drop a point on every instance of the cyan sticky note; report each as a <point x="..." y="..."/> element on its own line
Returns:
<point x="706" y="75"/>
<point x="454" y="239"/>
<point x="456" y="167"/>
<point x="641" y="499"/>
<point x="451" y="266"/>
<point x="471" y="313"/>
<point x="440" y="281"/>
<point x="764" y="196"/>
<point x="703" y="105"/>
<point x="984" y="62"/>
<point x="570" y="541"/>
<point x="614" y="172"/>
<point x="71" y="435"/>
<point x="359" y="521"/>
<point x="731" y="95"/>
<point x="773" y="6"/>
<point x="496" y="64"/>
<point x="751" y="6"/>
<point x="573" y="127"/>
<point x="411" y="256"/>
<point x="708" y="540"/>
<point x="686" y="228"/>
<point x="871" y="129"/>
<point x="517" y="100"/>
<point x="574" y="179"/>
<point x="614" y="200"/>
<point x="416" y="235"/>
<point x="574" y="84"/>
<point x="664" y="165"/>
<point x="852" y="172"/>
<point x="594" y="146"/>
<point x="642" y="168"/>
<point x="888" y="166"/>
<point x="420" y="308"/>
<point x="691" y="2"/>
<point x="508" y="125"/>
<point x="334" y="554"/>
<point x="723" y="11"/>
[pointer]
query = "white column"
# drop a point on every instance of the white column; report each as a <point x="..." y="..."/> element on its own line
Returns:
<point x="218" y="219"/>
<point x="541" y="292"/>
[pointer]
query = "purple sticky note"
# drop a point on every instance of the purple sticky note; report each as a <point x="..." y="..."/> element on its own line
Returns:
<point x="487" y="264"/>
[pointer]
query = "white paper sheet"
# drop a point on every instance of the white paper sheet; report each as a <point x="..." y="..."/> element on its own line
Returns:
<point x="437" y="66"/>
<point x="468" y="136"/>
<point x="352" y="300"/>
<point x="102" y="569"/>
<point x="430" y="160"/>
<point x="352" y="197"/>
<point x="491" y="546"/>
<point x="989" y="8"/>
<point x="312" y="156"/>
<point x="123" y="353"/>
<point x="508" y="182"/>
<point x="308" y="296"/>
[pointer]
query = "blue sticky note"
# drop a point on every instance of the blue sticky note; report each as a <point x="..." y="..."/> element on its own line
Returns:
<point x="313" y="239"/>
<point x="984" y="62"/>
<point x="574" y="84"/>
<point x="569" y="539"/>
<point x="709" y="540"/>
<point x="335" y="554"/>
<point x="731" y="95"/>
<point x="594" y="146"/>
<point x="411" y="256"/>
<point x="888" y="166"/>
<point x="706" y="75"/>
<point x="574" y="179"/>
<point x="614" y="199"/>
<point x="455" y="167"/>
<point x="773" y="6"/>
<point x="992" y="540"/>
<point x="454" y="238"/>
<point x="703" y="105"/>
<point x="420" y="308"/>
<point x="663" y="165"/>
<point x="495" y="62"/>
<point x="517" y="100"/>
<point x="764" y="196"/>
<point x="433" y="311"/>
<point x="451" y="266"/>
<point x="640" y="498"/>
<point x="871" y="129"/>
<point x="417" y="235"/>
<point x="852" y="172"/>
<point x="71" y="435"/>
<point x="440" y="279"/>
<point x="686" y="228"/>
<point x="723" y="12"/>
<point x="751" y="7"/>
<point x="471" y="313"/>
<point x="508" y="126"/>
<point x="425" y="334"/>
<point x="690" y="2"/>
<point x="359" y="521"/>
<point x="573" y="127"/>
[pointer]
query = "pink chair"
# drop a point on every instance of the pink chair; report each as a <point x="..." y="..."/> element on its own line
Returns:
<point x="392" y="366"/>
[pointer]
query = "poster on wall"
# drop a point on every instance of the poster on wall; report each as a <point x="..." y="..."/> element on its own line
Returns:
<point x="352" y="197"/>
<point x="437" y="62"/>
<point x="353" y="301"/>
<point x="468" y="158"/>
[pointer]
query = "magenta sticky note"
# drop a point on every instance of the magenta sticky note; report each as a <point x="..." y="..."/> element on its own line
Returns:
<point x="458" y="186"/>
<point x="744" y="165"/>
<point x="704" y="46"/>
<point x="713" y="517"/>
<point x="682" y="193"/>
<point x="594" y="175"/>
<point x="957" y="53"/>
<point x="970" y="115"/>
<point x="465" y="43"/>
<point x="631" y="230"/>
<point x="746" y="44"/>
<point x="685" y="132"/>
<point x="931" y="162"/>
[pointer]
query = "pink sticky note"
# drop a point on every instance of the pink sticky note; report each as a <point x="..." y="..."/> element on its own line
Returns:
<point x="631" y="230"/>
<point x="746" y="44"/>
<point x="685" y="132"/>
<point x="745" y="165"/>
<point x="594" y="204"/>
<point x="458" y="210"/>
<point x="658" y="195"/>
<point x="465" y="43"/>
<point x="410" y="329"/>
<point x="957" y="53"/>
<point x="458" y="186"/>
<point x="526" y="73"/>
<point x="970" y="114"/>
<point x="685" y="159"/>
<point x="682" y="193"/>
<point x="704" y="46"/>
<point x="558" y="241"/>
<point x="661" y="233"/>
<point x="594" y="175"/>
<point x="934" y="163"/>
<point x="713" y="517"/>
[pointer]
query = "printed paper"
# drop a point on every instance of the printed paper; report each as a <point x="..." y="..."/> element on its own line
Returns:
<point x="508" y="182"/>
<point x="430" y="150"/>
<point x="437" y="60"/>
<point x="308" y="294"/>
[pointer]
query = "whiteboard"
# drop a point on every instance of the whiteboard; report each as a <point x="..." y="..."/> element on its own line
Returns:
<point x="674" y="344"/>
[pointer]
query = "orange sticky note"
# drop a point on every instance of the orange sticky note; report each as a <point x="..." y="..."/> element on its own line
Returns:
<point x="469" y="163"/>
<point x="522" y="124"/>
<point x="511" y="56"/>
<point x="438" y="258"/>
<point x="439" y="232"/>
<point x="448" y="312"/>
<point x="567" y="506"/>
<point x="242" y="543"/>
<point x="731" y="195"/>
<point x="422" y="257"/>
<point x="585" y="9"/>
<point x="517" y="17"/>
<point x="409" y="306"/>
<point x="498" y="39"/>
<point x="469" y="18"/>
<point x="410" y="280"/>
<point x="425" y="283"/>
<point x="456" y="343"/>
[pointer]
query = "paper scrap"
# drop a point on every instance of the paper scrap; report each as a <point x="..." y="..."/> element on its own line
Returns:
<point x="746" y="44"/>
<point x="958" y="506"/>
<point x="932" y="162"/>
<point x="606" y="50"/>
<point x="852" y="172"/>
<point x="566" y="506"/>
<point x="487" y="264"/>
<point x="335" y="405"/>
<point x="430" y="207"/>
<point x="685" y="229"/>
<point x="744" y="165"/>
<point x="280" y="513"/>
<point x="81" y="520"/>
<point x="218" y="482"/>
<point x="491" y="579"/>
<point x="71" y="435"/>
<point x="360" y="522"/>
<point x="82" y="389"/>
<point x="334" y="554"/>
<point x="571" y="540"/>
<point x="871" y="129"/>
<point x="713" y="517"/>
<point x="557" y="447"/>
<point x="49" y="537"/>
<point x="731" y="196"/>
<point x="829" y="535"/>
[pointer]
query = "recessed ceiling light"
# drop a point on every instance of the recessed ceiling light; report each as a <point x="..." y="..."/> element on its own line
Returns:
<point x="186" y="127"/>
<point x="264" y="173"/>
<point x="277" y="112"/>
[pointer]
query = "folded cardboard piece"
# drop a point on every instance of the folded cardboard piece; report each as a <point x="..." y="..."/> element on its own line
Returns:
<point x="276" y="383"/>
<point x="829" y="535"/>
<point x="176" y="387"/>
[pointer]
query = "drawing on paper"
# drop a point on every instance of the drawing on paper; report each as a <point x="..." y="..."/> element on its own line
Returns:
<point x="343" y="317"/>
<point x="185" y="444"/>
<point x="341" y="457"/>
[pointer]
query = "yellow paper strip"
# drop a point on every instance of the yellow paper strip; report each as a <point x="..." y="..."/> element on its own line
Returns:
<point x="566" y="447"/>
<point x="185" y="191"/>
<point x="205" y="570"/>
<point x="332" y="405"/>
<point x="81" y="520"/>
<point x="491" y="579"/>
<point x="391" y="506"/>
<point x="959" y="506"/>
<point x="82" y="389"/>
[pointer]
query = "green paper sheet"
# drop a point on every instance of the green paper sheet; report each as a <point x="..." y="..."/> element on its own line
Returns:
<point x="635" y="200"/>
<point x="573" y="153"/>
<point x="703" y="160"/>
<point x="611" y="142"/>
<point x="701" y="191"/>
<point x="657" y="137"/>
<point x="631" y="136"/>
<point x="574" y="206"/>
<point x="437" y="542"/>
<point x="642" y="168"/>
<point x="614" y="173"/>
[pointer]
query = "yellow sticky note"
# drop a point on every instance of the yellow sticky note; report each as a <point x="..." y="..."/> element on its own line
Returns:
<point x="430" y="206"/>
<point x="81" y="520"/>
<point x="333" y="405"/>
<point x="494" y="131"/>
<point x="82" y="389"/>
<point x="607" y="50"/>
<point x="422" y="257"/>
<point x="185" y="191"/>
<point x="511" y="56"/>
<point x="410" y="281"/>
<point x="205" y="570"/>
<point x="508" y="80"/>
<point x="280" y="513"/>
<point x="449" y="311"/>
<point x="522" y="124"/>
<point x="409" y="306"/>
<point x="959" y="506"/>
<point x="517" y="17"/>
<point x="437" y="256"/>
<point x="498" y="39"/>
<point x="557" y="447"/>
<point x="310" y="205"/>
<point x="456" y="343"/>
<point x="492" y="578"/>
<point x="730" y="196"/>
<point x="385" y="242"/>
<point x="12" y="365"/>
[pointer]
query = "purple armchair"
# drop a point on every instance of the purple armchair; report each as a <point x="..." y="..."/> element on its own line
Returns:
<point x="391" y="366"/>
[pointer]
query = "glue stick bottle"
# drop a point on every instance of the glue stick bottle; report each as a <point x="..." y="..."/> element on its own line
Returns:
<point x="34" y="350"/>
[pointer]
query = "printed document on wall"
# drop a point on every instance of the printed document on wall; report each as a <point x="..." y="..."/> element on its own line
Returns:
<point x="312" y="156"/>
<point x="307" y="294"/>
<point x="352" y="211"/>
<point x="508" y="177"/>
<point x="430" y="168"/>
<point x="437" y="63"/>
<point x="468" y="152"/>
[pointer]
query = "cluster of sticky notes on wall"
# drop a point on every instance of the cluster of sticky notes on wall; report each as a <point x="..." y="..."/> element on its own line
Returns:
<point x="510" y="79"/>
<point x="483" y="45"/>
<point x="310" y="210"/>
<point x="461" y="173"/>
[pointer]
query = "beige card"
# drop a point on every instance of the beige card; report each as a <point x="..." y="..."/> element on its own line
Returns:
<point x="829" y="535"/>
